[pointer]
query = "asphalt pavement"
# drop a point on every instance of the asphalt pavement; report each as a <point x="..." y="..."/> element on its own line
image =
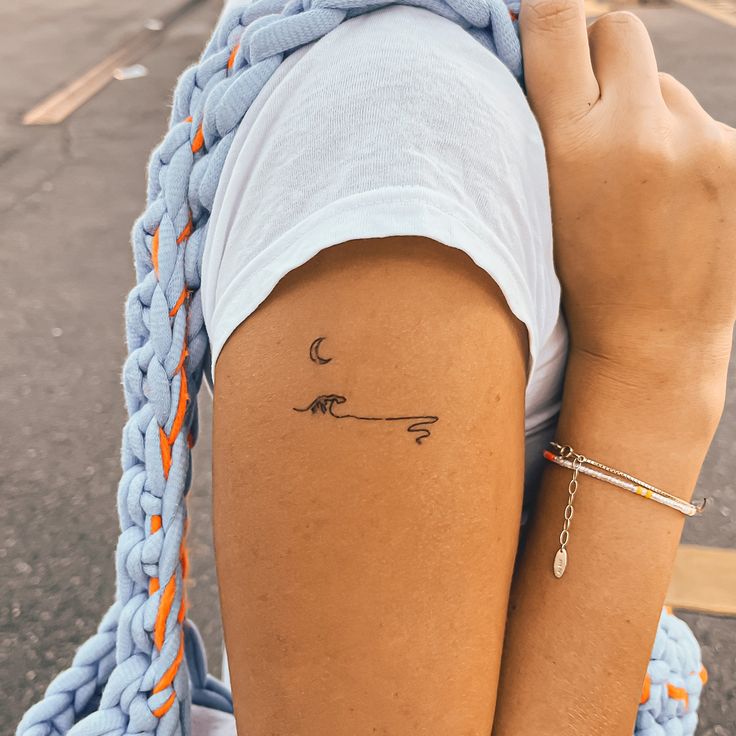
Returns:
<point x="69" y="194"/>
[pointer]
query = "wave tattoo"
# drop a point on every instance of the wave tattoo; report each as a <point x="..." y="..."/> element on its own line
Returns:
<point x="326" y="403"/>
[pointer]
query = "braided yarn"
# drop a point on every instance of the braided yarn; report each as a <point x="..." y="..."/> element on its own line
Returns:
<point x="674" y="681"/>
<point x="140" y="673"/>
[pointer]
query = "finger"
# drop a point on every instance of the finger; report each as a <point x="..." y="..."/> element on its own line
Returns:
<point x="678" y="98"/>
<point x="623" y="58"/>
<point x="557" y="68"/>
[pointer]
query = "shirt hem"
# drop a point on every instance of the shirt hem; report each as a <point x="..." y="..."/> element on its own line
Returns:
<point x="385" y="212"/>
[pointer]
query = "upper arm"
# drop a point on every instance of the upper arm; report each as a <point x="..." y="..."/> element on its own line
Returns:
<point x="367" y="491"/>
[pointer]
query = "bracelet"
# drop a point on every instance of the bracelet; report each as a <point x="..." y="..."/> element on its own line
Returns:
<point x="579" y="464"/>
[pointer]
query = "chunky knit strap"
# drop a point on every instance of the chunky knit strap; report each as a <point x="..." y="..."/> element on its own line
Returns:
<point x="142" y="670"/>
<point x="71" y="692"/>
<point x="674" y="681"/>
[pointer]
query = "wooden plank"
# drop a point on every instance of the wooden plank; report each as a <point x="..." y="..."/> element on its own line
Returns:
<point x="704" y="580"/>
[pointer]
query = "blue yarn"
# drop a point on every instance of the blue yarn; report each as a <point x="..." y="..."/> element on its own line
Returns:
<point x="107" y="691"/>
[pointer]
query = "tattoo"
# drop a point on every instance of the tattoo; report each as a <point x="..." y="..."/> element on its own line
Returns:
<point x="325" y="403"/>
<point x="314" y="347"/>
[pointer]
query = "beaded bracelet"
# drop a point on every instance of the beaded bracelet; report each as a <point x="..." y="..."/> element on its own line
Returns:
<point x="579" y="464"/>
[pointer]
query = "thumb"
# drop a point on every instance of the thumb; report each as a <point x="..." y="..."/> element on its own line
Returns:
<point x="557" y="68"/>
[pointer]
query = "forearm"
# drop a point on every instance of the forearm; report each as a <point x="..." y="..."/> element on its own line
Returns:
<point x="577" y="647"/>
<point x="644" y="219"/>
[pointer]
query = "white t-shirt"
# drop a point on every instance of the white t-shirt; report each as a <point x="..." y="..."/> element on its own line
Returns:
<point x="418" y="130"/>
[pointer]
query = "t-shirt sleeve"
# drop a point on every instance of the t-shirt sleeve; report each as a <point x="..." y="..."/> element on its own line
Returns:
<point x="398" y="122"/>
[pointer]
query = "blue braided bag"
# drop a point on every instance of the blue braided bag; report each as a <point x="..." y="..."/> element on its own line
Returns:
<point x="142" y="670"/>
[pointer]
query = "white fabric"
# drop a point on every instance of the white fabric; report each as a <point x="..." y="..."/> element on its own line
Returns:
<point x="418" y="130"/>
<point x="210" y="722"/>
<point x="398" y="122"/>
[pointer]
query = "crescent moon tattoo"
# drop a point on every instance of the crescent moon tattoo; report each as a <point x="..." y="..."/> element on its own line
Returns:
<point x="313" y="352"/>
<point x="325" y="403"/>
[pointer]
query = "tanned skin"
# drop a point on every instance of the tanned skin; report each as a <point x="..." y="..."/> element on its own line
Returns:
<point x="367" y="506"/>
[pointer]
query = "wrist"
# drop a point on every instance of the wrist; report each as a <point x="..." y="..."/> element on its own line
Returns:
<point x="618" y="414"/>
<point x="687" y="379"/>
<point x="636" y="342"/>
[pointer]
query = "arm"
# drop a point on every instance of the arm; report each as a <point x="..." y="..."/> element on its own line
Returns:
<point x="577" y="647"/>
<point x="365" y="546"/>
<point x="643" y="207"/>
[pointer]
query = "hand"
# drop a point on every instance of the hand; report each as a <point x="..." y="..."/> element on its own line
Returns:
<point x="643" y="189"/>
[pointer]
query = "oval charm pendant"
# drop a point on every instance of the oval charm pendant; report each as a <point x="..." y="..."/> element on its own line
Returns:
<point x="560" y="563"/>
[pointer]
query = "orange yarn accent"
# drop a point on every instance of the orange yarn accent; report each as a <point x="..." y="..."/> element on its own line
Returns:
<point x="646" y="690"/>
<point x="181" y="409"/>
<point x="182" y="358"/>
<point x="183" y="235"/>
<point x="168" y="676"/>
<point x="167" y="442"/>
<point x="165" y="707"/>
<point x="186" y="232"/>
<point x="231" y="60"/>
<point x="159" y="628"/>
<point x="514" y="16"/>
<point x="198" y="141"/>
<point x="153" y="584"/>
<point x="703" y="674"/>
<point x="159" y="631"/>
<point x="182" y="608"/>
<point x="165" y="451"/>
<point x="188" y="119"/>
<point x="184" y="558"/>
<point x="154" y="251"/>
<point x="179" y="302"/>
<point x="190" y="440"/>
<point x="678" y="693"/>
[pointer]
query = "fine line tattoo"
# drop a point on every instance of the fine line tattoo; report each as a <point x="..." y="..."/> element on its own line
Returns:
<point x="313" y="352"/>
<point x="325" y="403"/>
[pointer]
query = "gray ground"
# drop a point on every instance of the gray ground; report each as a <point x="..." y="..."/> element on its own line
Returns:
<point x="68" y="197"/>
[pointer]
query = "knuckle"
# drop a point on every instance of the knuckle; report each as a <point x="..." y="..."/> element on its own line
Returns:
<point x="700" y="150"/>
<point x="730" y="137"/>
<point x="709" y="142"/>
<point x="717" y="153"/>
<point x="551" y="14"/>
<point x="701" y="142"/>
<point x="616" y="22"/>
